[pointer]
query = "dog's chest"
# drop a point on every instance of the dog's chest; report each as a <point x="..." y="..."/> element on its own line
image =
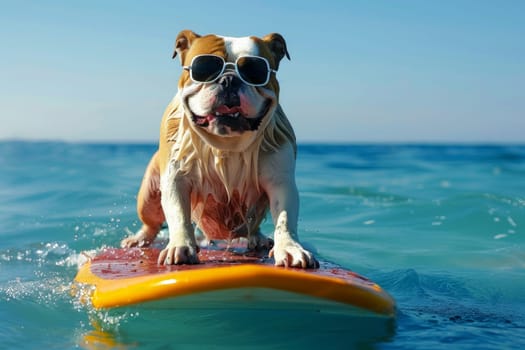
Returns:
<point x="227" y="219"/>
<point x="226" y="199"/>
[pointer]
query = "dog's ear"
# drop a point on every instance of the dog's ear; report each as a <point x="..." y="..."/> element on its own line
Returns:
<point x="183" y="43"/>
<point x="277" y="45"/>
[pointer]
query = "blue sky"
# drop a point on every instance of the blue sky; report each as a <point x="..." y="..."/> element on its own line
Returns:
<point x="361" y="71"/>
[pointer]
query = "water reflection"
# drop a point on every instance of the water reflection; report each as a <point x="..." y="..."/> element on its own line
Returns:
<point x="152" y="328"/>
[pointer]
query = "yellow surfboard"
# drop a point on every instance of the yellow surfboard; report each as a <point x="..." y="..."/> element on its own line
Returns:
<point x="124" y="277"/>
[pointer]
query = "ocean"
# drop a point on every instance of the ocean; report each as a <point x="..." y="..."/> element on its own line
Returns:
<point x="440" y="227"/>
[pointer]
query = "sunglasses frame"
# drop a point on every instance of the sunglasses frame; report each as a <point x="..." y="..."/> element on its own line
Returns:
<point x="235" y="65"/>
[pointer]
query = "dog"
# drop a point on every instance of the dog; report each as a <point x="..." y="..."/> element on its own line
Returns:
<point x="226" y="154"/>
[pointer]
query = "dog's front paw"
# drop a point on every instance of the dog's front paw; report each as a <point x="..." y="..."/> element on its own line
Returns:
<point x="172" y="255"/>
<point x="293" y="255"/>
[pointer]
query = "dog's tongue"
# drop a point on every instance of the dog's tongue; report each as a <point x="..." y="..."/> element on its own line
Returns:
<point x="221" y="110"/>
<point x="227" y="110"/>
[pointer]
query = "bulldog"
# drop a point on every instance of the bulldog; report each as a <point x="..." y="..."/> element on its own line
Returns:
<point x="226" y="154"/>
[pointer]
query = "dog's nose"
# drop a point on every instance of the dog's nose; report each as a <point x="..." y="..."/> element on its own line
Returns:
<point x="230" y="90"/>
<point x="230" y="82"/>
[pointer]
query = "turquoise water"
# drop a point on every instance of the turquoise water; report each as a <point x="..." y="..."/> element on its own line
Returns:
<point x="441" y="228"/>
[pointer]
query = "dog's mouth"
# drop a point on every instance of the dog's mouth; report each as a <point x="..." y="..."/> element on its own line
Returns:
<point x="232" y="117"/>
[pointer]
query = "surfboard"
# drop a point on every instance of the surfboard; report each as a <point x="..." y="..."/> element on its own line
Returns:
<point x="226" y="277"/>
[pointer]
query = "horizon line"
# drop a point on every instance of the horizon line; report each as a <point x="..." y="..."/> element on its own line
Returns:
<point x="301" y="142"/>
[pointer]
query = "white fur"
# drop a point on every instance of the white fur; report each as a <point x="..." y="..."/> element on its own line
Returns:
<point x="236" y="47"/>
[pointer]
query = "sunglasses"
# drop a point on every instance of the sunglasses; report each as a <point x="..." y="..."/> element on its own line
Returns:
<point x="253" y="70"/>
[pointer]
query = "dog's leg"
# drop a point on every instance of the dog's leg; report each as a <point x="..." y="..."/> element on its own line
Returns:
<point x="278" y="180"/>
<point x="148" y="208"/>
<point x="176" y="201"/>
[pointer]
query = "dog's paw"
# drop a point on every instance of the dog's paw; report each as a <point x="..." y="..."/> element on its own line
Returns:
<point x="139" y="239"/>
<point x="293" y="255"/>
<point x="172" y="255"/>
<point x="259" y="242"/>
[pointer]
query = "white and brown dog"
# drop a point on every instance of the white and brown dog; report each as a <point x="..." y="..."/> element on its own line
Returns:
<point x="226" y="153"/>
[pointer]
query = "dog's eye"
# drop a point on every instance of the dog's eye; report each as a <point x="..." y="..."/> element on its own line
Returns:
<point x="253" y="69"/>
<point x="206" y="68"/>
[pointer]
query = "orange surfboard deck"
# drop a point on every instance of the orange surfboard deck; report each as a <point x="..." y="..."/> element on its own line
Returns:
<point x="124" y="277"/>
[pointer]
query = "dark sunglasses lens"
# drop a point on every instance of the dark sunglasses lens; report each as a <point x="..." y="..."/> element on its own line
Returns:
<point x="253" y="70"/>
<point x="206" y="68"/>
